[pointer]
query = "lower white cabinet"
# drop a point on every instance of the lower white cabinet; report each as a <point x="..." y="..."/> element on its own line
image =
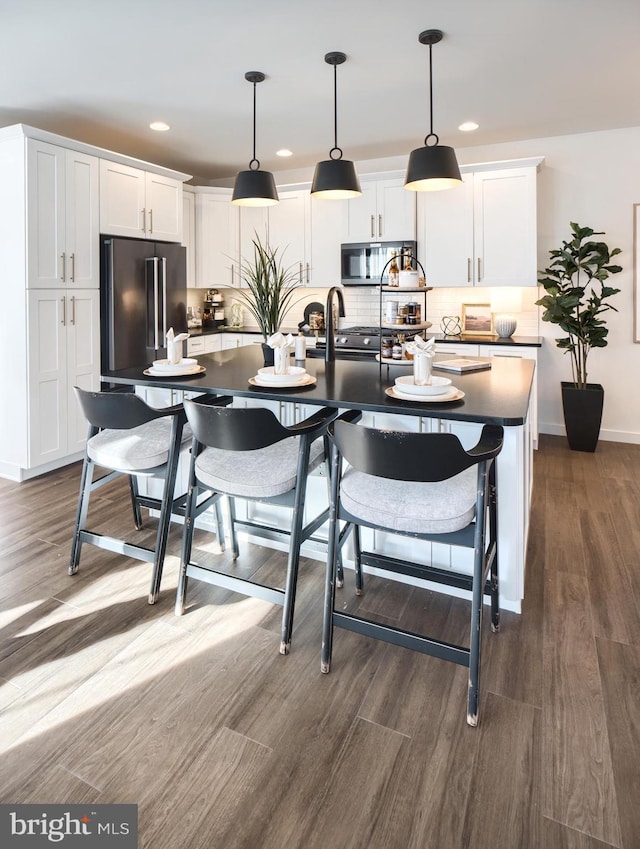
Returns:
<point x="63" y="352"/>
<point x="468" y="349"/>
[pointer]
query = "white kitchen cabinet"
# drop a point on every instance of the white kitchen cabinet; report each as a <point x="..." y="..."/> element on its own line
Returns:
<point x="189" y="234"/>
<point x="207" y="344"/>
<point x="217" y="239"/>
<point x="384" y="211"/>
<point x="476" y="350"/>
<point x="325" y="236"/>
<point x="63" y="352"/>
<point x="285" y="227"/>
<point x="139" y="203"/>
<point x="62" y="216"/>
<point x="288" y="231"/>
<point x="482" y="233"/>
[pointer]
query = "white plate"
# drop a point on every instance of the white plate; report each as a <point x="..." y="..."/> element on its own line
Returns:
<point x="303" y="380"/>
<point x="403" y="362"/>
<point x="293" y="373"/>
<point x="453" y="394"/>
<point x="165" y="365"/>
<point x="197" y="369"/>
<point x="437" y="386"/>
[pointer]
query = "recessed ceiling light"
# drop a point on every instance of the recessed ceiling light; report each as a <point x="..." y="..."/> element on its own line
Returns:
<point x="284" y="151"/>
<point x="159" y="126"/>
<point x="468" y="126"/>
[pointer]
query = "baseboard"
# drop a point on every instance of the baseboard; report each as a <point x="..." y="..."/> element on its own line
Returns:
<point x="606" y="434"/>
<point x="19" y="474"/>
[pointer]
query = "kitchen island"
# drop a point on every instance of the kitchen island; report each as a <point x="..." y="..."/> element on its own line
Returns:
<point x="500" y="395"/>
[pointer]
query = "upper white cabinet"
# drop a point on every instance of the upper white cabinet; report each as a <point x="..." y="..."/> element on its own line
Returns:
<point x="288" y="231"/>
<point x="217" y="239"/>
<point x="189" y="233"/>
<point x="325" y="235"/>
<point x="285" y="227"/>
<point x="384" y="211"/>
<point x="62" y="217"/>
<point x="484" y="232"/>
<point x="139" y="203"/>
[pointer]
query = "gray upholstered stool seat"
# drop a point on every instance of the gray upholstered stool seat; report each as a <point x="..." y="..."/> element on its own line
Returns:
<point x="261" y="473"/>
<point x="141" y="448"/>
<point x="439" y="507"/>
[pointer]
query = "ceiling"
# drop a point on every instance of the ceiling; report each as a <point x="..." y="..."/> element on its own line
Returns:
<point x="101" y="72"/>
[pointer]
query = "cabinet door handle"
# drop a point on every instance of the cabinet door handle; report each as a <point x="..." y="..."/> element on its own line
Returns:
<point x="63" y="257"/>
<point x="468" y="269"/>
<point x="144" y="220"/>
<point x="151" y="221"/>
<point x="300" y="273"/>
<point x="373" y="226"/>
<point x="308" y="274"/>
<point x="379" y="226"/>
<point x="479" y="274"/>
<point x="73" y="268"/>
<point x="73" y="309"/>
<point x="232" y="275"/>
<point x="64" y="311"/>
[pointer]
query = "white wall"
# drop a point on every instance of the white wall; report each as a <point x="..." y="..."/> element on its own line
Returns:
<point x="594" y="179"/>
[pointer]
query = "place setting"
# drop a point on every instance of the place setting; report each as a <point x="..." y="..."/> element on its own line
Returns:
<point x="175" y="365"/>
<point x="421" y="385"/>
<point x="282" y="374"/>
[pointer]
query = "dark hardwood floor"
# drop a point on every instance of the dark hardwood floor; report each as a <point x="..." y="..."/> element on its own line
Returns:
<point x="225" y="744"/>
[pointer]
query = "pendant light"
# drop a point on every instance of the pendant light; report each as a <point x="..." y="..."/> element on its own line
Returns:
<point x="434" y="166"/>
<point x="335" y="177"/>
<point x="254" y="187"/>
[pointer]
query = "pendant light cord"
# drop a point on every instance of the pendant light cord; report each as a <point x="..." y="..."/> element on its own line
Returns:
<point x="431" y="133"/>
<point x="335" y="109"/>
<point x="254" y="160"/>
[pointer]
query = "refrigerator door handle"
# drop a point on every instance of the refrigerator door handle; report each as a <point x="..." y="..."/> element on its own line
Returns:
<point x="156" y="306"/>
<point x="164" y="299"/>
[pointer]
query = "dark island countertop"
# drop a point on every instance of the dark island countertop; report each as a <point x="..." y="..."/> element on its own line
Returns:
<point x="499" y="395"/>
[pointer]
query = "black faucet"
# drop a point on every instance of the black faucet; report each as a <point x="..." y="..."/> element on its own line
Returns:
<point x="330" y="349"/>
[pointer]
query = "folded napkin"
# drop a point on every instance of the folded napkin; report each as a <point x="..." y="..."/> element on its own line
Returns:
<point x="418" y="347"/>
<point x="174" y="346"/>
<point x="279" y="340"/>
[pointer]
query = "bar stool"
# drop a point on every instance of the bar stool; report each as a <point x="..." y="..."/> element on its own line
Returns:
<point x="127" y="437"/>
<point x="248" y="454"/>
<point x="424" y="486"/>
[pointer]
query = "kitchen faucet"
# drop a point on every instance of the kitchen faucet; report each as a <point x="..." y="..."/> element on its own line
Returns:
<point x="330" y="349"/>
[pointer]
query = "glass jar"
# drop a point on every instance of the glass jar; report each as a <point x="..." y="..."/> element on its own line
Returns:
<point x="386" y="348"/>
<point x="396" y="352"/>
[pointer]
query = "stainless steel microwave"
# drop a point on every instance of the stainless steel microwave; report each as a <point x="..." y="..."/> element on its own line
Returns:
<point x="362" y="263"/>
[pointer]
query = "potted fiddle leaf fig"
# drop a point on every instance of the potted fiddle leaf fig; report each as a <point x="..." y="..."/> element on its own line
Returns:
<point x="269" y="291"/>
<point x="576" y="298"/>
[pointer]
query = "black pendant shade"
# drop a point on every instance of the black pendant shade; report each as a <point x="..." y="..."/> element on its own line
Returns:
<point x="433" y="167"/>
<point x="335" y="178"/>
<point x="254" y="187"/>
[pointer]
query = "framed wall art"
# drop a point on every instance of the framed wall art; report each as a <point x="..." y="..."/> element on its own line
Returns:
<point x="477" y="319"/>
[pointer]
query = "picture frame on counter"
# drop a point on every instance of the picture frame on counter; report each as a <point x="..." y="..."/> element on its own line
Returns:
<point x="477" y="319"/>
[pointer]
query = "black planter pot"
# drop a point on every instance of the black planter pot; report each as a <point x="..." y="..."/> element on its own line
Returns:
<point x="267" y="353"/>
<point x="582" y="415"/>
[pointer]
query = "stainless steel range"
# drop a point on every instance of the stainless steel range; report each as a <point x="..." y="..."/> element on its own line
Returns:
<point x="357" y="339"/>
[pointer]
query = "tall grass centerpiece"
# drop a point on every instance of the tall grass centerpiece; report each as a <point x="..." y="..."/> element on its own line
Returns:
<point x="270" y="287"/>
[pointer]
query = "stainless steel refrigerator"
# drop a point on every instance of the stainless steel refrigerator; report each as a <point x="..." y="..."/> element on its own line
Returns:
<point x="143" y="293"/>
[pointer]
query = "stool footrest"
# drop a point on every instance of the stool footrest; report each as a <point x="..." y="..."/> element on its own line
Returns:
<point x="119" y="546"/>
<point x="238" y="585"/>
<point x="427" y="573"/>
<point x="406" y="639"/>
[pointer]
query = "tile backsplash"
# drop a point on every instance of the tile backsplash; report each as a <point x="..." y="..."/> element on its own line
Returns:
<point x="362" y="305"/>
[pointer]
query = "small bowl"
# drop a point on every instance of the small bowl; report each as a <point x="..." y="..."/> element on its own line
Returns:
<point x="438" y="385"/>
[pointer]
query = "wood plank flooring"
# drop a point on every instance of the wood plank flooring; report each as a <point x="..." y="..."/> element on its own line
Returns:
<point x="224" y="744"/>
